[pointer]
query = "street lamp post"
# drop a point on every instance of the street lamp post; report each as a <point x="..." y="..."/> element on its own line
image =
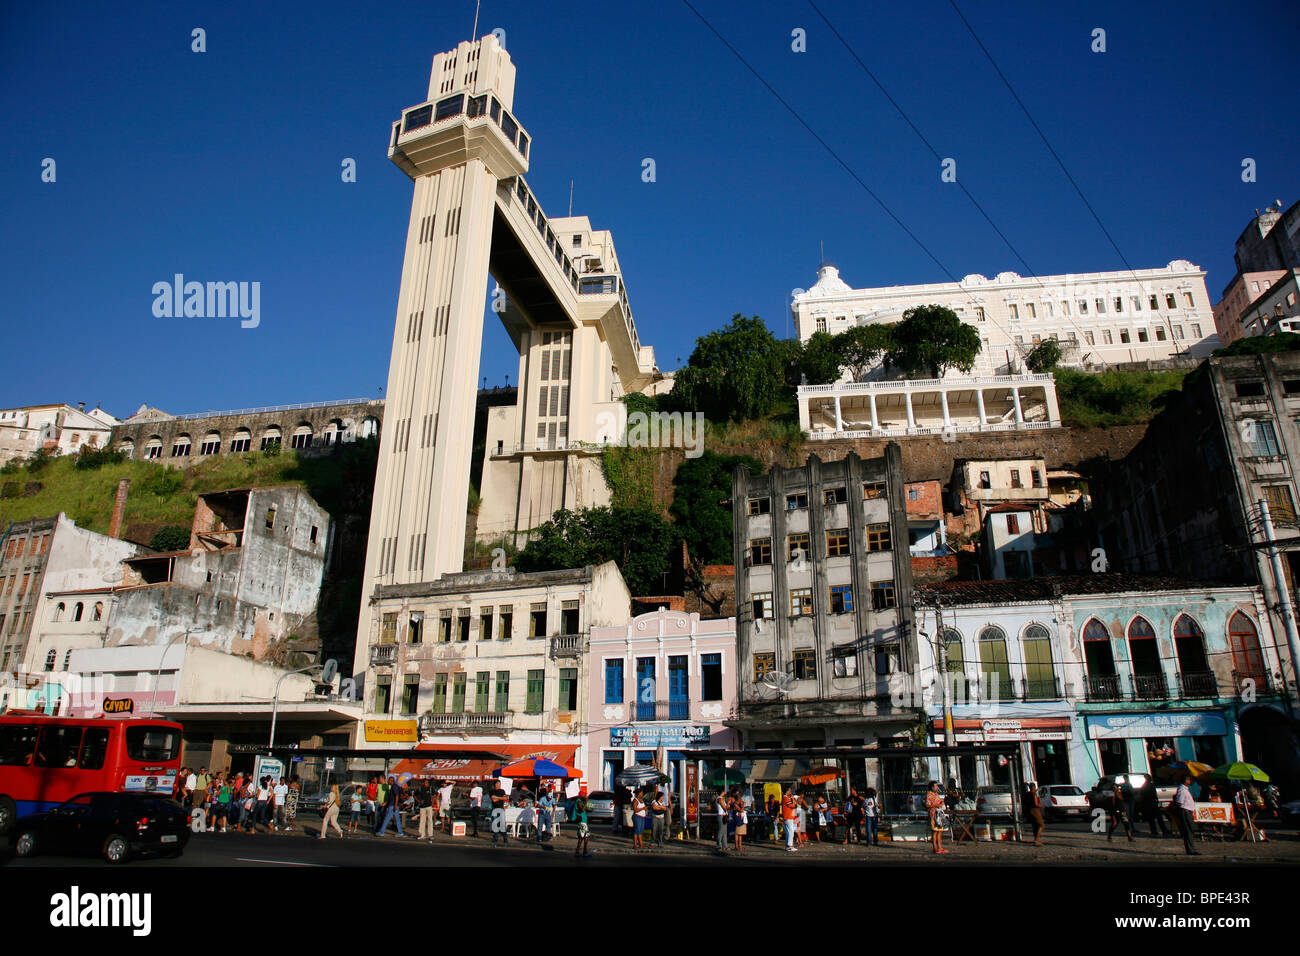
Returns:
<point x="275" y="701"/>
<point x="153" y="699"/>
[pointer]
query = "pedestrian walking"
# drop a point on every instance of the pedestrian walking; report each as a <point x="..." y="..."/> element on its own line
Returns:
<point x="821" y="816"/>
<point x="659" y="820"/>
<point x="790" y="818"/>
<point x="545" y="814"/>
<point x="500" y="803"/>
<point x="1033" y="811"/>
<point x="424" y="802"/>
<point x="871" y="817"/>
<point x="582" y="850"/>
<point x="355" y="802"/>
<point x="852" y="817"/>
<point x="1121" y="810"/>
<point x="331" y="818"/>
<point x="1150" y="809"/>
<point x="1186" y="808"/>
<point x="936" y="807"/>
<point x="627" y="810"/>
<point x="372" y="802"/>
<point x="802" y="810"/>
<point x="721" y="810"/>
<point x="392" y="804"/>
<point x="444" y="805"/>
<point x="475" y="806"/>
<point x="639" y="814"/>
<point x="280" y="794"/>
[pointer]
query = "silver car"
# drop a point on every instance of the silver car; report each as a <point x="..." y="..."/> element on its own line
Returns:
<point x="600" y="806"/>
<point x="993" y="802"/>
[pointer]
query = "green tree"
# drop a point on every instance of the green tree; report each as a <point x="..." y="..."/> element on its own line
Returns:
<point x="701" y="508"/>
<point x="1262" y="344"/>
<point x="639" y="541"/>
<point x="735" y="373"/>
<point x="171" y="538"/>
<point x="863" y="346"/>
<point x="790" y="354"/>
<point x="931" y="339"/>
<point x="1045" y="356"/>
<point x="820" y="363"/>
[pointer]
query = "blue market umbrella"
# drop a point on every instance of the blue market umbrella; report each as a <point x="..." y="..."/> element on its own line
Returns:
<point x="638" y="775"/>
<point x="537" y="768"/>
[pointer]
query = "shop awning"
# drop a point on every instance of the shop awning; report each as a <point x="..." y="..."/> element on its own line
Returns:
<point x="778" y="770"/>
<point x="432" y="762"/>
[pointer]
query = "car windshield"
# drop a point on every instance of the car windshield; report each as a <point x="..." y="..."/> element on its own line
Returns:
<point x="81" y="800"/>
<point x="1066" y="791"/>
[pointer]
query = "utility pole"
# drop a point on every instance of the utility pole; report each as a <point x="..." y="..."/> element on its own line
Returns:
<point x="949" y="734"/>
<point x="1283" y="596"/>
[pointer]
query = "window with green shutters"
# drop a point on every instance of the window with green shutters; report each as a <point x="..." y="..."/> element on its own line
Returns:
<point x="439" y="694"/>
<point x="481" y="686"/>
<point x="568" y="689"/>
<point x="1040" y="676"/>
<point x="535" y="691"/>
<point x="503" y="692"/>
<point x="458" y="693"/>
<point x="994" y="668"/>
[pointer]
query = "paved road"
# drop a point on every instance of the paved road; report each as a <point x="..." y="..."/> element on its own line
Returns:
<point x="1068" y="844"/>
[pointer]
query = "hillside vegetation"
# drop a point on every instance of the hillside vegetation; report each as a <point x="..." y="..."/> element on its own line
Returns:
<point x="1113" y="397"/>
<point x="162" y="496"/>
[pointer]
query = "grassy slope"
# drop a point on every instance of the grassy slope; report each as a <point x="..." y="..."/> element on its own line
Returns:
<point x="87" y="496"/>
<point x="1113" y="397"/>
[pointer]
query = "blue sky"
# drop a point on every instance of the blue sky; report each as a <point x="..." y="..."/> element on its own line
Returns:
<point x="225" y="165"/>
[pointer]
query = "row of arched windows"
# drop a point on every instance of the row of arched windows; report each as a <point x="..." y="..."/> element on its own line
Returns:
<point x="78" y="611"/>
<point x="1040" y="681"/>
<point x="302" y="436"/>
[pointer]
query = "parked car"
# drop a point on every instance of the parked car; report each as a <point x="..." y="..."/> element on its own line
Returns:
<point x="116" y="825"/>
<point x="1061" y="800"/>
<point x="600" y="806"/>
<point x="993" y="802"/>
<point x="316" y="802"/>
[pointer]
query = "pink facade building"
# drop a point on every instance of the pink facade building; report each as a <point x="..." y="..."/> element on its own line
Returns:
<point x="662" y="683"/>
<point x="1233" y="311"/>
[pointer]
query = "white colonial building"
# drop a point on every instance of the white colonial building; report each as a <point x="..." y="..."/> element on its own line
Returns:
<point x="1099" y="318"/>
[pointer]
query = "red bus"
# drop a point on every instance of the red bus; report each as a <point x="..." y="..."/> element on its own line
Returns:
<point x="47" y="760"/>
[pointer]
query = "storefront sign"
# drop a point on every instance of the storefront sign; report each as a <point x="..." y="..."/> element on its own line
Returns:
<point x="650" y="736"/>
<point x="120" y="705"/>
<point x="392" y="731"/>
<point x="1204" y="723"/>
<point x="1005" y="729"/>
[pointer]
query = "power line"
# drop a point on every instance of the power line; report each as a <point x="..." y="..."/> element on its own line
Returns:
<point x="836" y="156"/>
<point x="1056" y="156"/>
<point x="928" y="145"/>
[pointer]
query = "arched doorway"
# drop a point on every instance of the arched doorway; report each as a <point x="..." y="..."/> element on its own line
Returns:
<point x="1269" y="742"/>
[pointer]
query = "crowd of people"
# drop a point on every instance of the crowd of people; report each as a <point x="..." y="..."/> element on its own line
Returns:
<point x="224" y="799"/>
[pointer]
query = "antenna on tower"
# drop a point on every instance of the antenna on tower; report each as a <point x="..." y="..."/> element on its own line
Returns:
<point x="474" y="36"/>
<point x="570" y="197"/>
<point x="822" y="246"/>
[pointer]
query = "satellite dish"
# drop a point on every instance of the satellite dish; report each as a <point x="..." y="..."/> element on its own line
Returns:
<point x="781" y="683"/>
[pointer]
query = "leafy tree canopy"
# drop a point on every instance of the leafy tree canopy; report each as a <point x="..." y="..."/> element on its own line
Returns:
<point x="1262" y="345"/>
<point x="1045" y="356"/>
<point x="863" y="346"/>
<point x="931" y="339"/>
<point x="701" y="490"/>
<point x="640" y="542"/>
<point x="735" y="373"/>
<point x="820" y="362"/>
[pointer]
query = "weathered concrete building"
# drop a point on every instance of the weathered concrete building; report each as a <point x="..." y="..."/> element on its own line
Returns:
<point x="40" y="558"/>
<point x="247" y="584"/>
<point x="824" y="638"/>
<point x="314" y="427"/>
<point x="488" y="656"/>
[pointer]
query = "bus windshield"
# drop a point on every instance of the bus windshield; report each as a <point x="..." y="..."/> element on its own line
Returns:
<point x="152" y="744"/>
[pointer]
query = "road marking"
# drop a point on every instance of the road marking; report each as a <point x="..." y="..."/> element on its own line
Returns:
<point x="244" y="859"/>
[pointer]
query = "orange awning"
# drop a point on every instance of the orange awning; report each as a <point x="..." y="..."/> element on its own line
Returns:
<point x="425" y="763"/>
